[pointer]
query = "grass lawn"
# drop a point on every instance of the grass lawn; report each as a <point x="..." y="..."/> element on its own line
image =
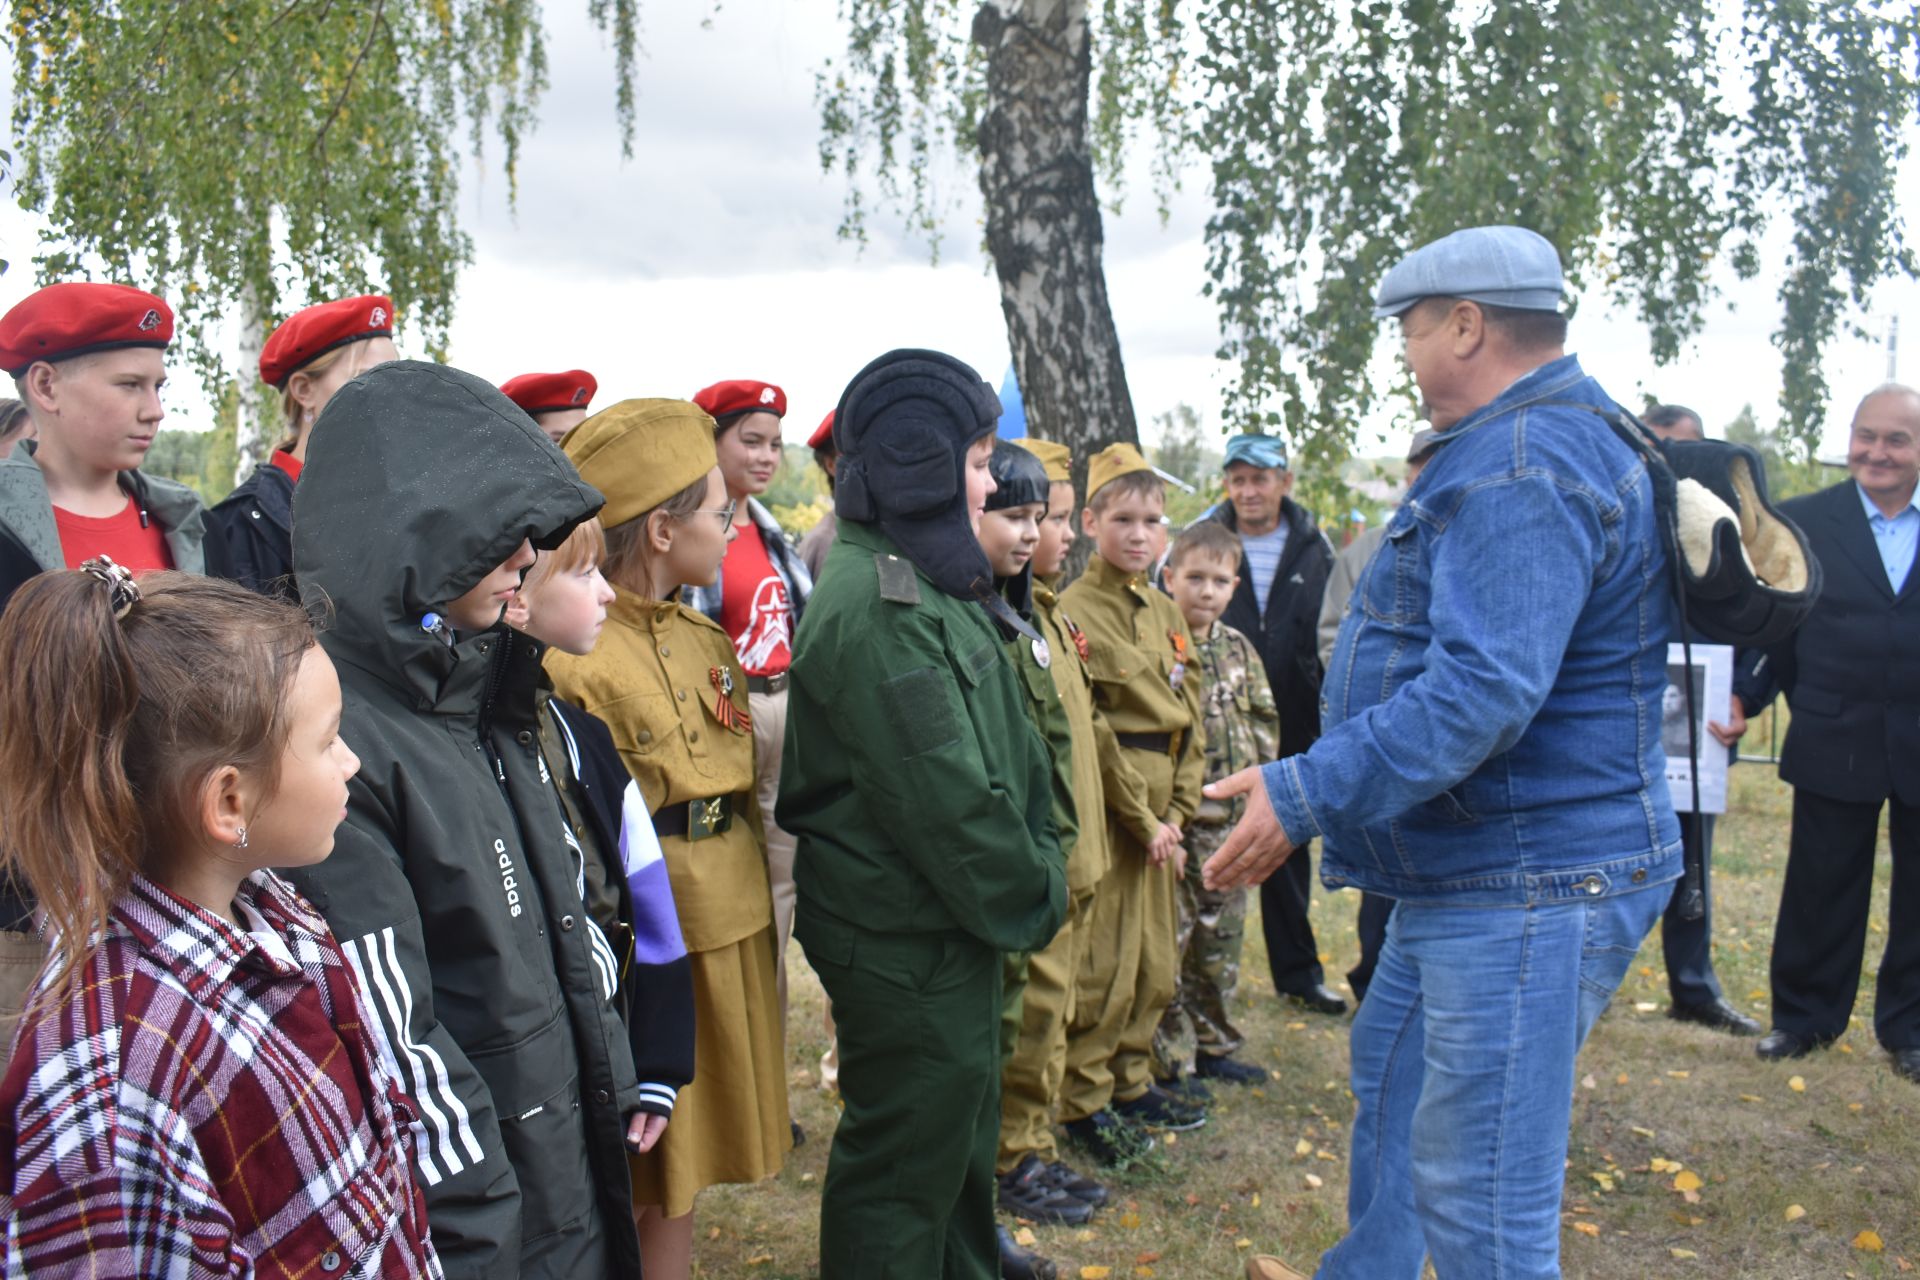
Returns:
<point x="1837" y="1134"/>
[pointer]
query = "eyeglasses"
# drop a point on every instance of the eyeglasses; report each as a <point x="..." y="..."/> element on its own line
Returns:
<point x="725" y="513"/>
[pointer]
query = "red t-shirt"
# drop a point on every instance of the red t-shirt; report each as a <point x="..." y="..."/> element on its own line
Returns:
<point x="754" y="609"/>
<point x="119" y="536"/>
<point x="288" y="463"/>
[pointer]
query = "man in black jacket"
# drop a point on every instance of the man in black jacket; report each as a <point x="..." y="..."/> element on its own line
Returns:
<point x="1852" y="678"/>
<point x="1283" y="576"/>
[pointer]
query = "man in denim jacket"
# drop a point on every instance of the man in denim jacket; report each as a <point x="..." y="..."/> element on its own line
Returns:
<point x="1490" y="760"/>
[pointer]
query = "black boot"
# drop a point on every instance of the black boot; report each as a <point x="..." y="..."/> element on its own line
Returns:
<point x="1017" y="1264"/>
<point x="1028" y="1191"/>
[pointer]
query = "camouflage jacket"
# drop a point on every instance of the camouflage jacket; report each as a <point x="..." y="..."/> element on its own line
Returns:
<point x="1241" y="719"/>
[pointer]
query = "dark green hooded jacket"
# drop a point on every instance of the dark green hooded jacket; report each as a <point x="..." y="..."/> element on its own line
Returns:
<point x="454" y="886"/>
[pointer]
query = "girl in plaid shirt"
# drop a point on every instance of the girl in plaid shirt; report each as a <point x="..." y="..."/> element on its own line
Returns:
<point x="192" y="1091"/>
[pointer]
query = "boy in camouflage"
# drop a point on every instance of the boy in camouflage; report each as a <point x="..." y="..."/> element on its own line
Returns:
<point x="1195" y="1036"/>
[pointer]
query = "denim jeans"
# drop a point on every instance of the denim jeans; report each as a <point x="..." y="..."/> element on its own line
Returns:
<point x="1463" y="1057"/>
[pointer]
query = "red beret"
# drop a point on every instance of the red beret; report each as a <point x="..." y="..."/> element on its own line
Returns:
<point x="742" y="395"/>
<point x="66" y="320"/>
<point x="305" y="336"/>
<point x="546" y="392"/>
<point x="823" y="434"/>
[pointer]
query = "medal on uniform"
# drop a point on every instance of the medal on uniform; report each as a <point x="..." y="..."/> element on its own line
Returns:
<point x="1179" y="672"/>
<point x="723" y="709"/>
<point x="1042" y="654"/>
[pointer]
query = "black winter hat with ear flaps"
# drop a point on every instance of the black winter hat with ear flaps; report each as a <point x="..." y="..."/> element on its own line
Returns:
<point x="903" y="428"/>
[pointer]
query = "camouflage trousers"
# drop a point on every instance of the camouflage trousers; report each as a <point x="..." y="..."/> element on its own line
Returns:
<point x="1213" y="925"/>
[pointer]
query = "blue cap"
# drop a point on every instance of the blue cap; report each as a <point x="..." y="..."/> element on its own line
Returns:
<point x="1500" y="266"/>
<point x="1257" y="451"/>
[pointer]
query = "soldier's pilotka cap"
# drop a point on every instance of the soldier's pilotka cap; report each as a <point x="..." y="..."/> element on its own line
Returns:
<point x="1500" y="266"/>
<point x="1110" y="464"/>
<point x="1054" y="456"/>
<point x="1266" y="452"/>
<point x="639" y="453"/>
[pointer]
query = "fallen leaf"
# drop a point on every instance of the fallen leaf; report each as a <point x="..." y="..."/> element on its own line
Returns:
<point x="1680" y="1075"/>
<point x="1750" y="1097"/>
<point x="1588" y="1082"/>
<point x="1303" y="1148"/>
<point x="1902" y="1264"/>
<point x="1691" y="1197"/>
<point x="1622" y="1078"/>
<point x="806" y="1177"/>
<point x="1326" y="1155"/>
<point x="1148" y="1257"/>
<point x="759" y="1259"/>
<point x="1192" y="1199"/>
<point x="1645" y="1133"/>
<point x="1681" y="1253"/>
<point x="1795" y="1212"/>
<point x="1645" y="1006"/>
<point x="1856" y="1109"/>
<point x="1587" y="1228"/>
<point x="714" y="1234"/>
<point x="1687" y="1180"/>
<point x="1604" y="1179"/>
<point x="1172" y="1139"/>
<point x="1243" y="1243"/>
<point x="1314" y="1182"/>
<point x="1798" y="1084"/>
<point x="1144" y="1271"/>
<point x="1256" y="1199"/>
<point x="1131" y="1221"/>
<point x="1868" y="1241"/>
<point x="1095" y="1273"/>
<point x="1658" y="1165"/>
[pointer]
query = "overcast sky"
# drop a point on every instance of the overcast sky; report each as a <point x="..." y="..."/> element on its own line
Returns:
<point x="712" y="254"/>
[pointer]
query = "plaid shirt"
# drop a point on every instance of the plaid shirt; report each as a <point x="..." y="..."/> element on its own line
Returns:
<point x="207" y="1104"/>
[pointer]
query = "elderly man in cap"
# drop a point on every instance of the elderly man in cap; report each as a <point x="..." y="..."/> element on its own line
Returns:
<point x="1490" y="760"/>
<point x="1283" y="576"/>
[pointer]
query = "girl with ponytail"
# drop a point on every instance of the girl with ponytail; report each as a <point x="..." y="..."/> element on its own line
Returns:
<point x="193" y="1064"/>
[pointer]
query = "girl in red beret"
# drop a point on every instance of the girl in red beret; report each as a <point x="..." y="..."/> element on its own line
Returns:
<point x="308" y="358"/>
<point x="757" y="600"/>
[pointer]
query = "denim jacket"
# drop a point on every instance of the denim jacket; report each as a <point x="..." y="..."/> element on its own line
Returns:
<point x="1490" y="717"/>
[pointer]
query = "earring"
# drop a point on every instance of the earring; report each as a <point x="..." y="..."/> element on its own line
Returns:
<point x="241" y="843"/>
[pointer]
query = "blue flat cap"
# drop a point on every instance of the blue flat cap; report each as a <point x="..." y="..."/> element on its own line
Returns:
<point x="1257" y="451"/>
<point x="1501" y="266"/>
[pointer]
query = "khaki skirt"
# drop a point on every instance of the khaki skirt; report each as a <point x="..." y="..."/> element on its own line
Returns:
<point x="731" y="1123"/>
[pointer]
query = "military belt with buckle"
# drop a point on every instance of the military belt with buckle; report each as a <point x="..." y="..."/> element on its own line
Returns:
<point x="776" y="683"/>
<point x="1160" y="744"/>
<point x="696" y="819"/>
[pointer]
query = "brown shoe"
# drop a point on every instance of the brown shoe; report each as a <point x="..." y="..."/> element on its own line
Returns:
<point x="1264" y="1266"/>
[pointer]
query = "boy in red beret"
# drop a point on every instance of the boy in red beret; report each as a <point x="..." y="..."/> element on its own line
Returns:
<point x="313" y="354"/>
<point x="88" y="361"/>
<point x="559" y="402"/>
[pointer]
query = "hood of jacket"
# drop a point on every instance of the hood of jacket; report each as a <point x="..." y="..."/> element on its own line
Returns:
<point x="420" y="480"/>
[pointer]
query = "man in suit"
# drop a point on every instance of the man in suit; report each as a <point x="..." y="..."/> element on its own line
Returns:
<point x="1852" y="678"/>
<point x="1283" y="577"/>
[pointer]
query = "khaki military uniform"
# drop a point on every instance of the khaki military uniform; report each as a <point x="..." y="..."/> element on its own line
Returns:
<point x="665" y="680"/>
<point x="1243" y="729"/>
<point x="1030" y="1084"/>
<point x="1152" y="763"/>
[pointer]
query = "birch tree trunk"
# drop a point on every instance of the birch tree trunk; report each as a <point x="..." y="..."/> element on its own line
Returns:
<point x="1043" y="225"/>
<point x="259" y="424"/>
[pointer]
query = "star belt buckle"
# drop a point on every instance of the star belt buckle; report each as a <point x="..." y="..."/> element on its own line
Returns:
<point x="707" y="818"/>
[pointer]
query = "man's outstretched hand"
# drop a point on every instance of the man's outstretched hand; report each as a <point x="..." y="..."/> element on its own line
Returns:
<point x="1257" y="845"/>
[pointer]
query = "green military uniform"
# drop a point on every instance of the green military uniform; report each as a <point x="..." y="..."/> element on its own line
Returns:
<point x="1030" y="1084"/>
<point x="1034" y="662"/>
<point x="1139" y="654"/>
<point x="1243" y="729"/>
<point x="921" y="798"/>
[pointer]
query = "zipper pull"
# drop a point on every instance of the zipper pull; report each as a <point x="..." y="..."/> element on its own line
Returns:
<point x="500" y="770"/>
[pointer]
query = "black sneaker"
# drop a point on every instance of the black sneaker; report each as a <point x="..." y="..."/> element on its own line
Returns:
<point x="1028" y="1191"/>
<point x="1223" y="1068"/>
<point x="1017" y="1264"/>
<point x="1109" y="1140"/>
<point x="1077" y="1185"/>
<point x="1186" y="1089"/>
<point x="1158" y="1109"/>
